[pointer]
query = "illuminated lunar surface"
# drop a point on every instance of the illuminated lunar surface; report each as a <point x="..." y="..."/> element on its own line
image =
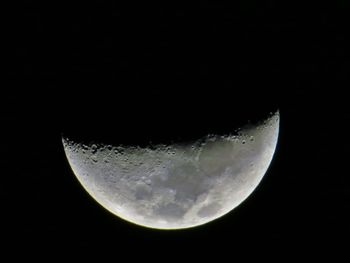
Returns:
<point x="176" y="186"/>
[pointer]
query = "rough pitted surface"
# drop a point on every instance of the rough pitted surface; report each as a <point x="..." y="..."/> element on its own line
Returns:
<point x="176" y="186"/>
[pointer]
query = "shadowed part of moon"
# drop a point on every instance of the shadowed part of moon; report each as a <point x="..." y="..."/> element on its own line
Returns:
<point x="176" y="186"/>
<point x="170" y="212"/>
<point x="143" y="192"/>
<point x="209" y="210"/>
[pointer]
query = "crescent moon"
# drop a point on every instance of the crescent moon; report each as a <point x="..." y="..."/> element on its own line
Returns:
<point x="176" y="186"/>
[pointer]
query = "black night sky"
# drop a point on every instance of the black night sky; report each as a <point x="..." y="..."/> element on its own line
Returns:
<point x="133" y="74"/>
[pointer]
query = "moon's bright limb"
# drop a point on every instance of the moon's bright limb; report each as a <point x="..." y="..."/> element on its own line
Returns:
<point x="176" y="186"/>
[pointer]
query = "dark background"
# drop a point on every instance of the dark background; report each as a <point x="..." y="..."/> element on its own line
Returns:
<point x="134" y="74"/>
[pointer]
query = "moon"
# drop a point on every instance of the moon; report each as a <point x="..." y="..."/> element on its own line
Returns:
<point x="180" y="185"/>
